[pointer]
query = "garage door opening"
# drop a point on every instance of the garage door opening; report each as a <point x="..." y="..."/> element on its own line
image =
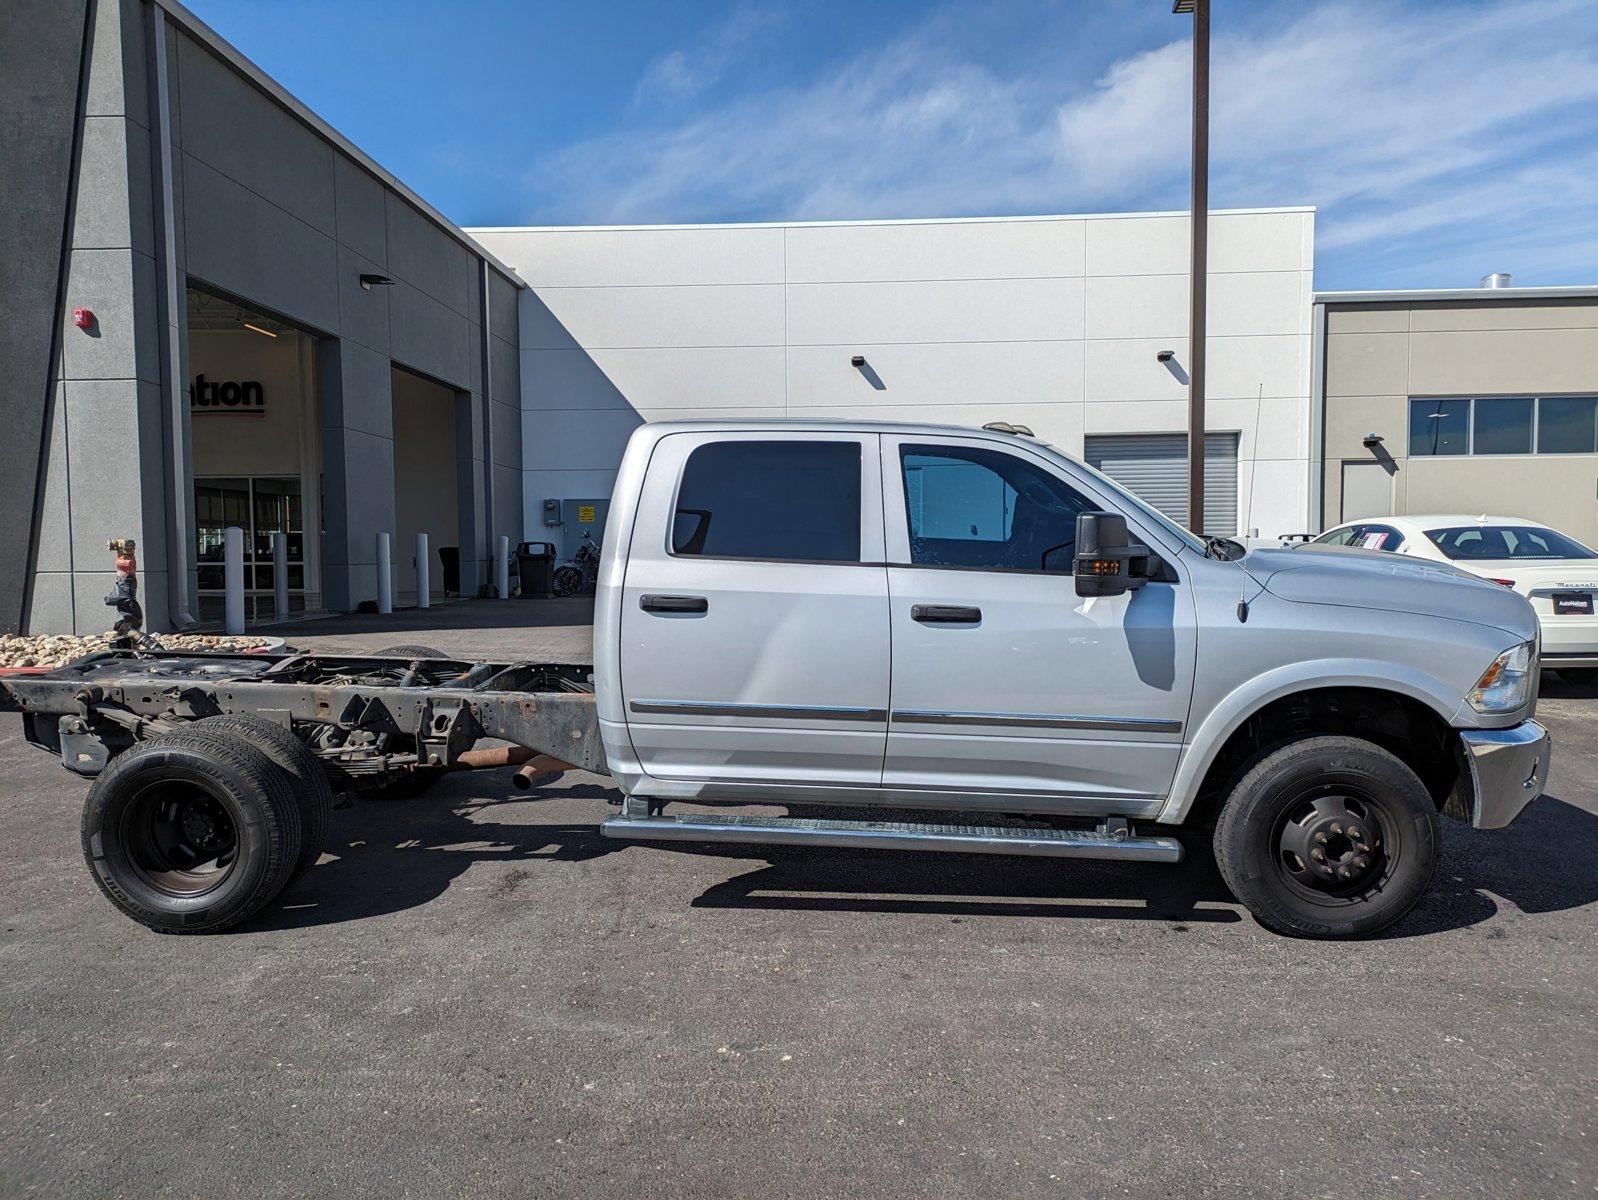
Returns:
<point x="1153" y="467"/>
<point x="426" y="499"/>
<point x="255" y="428"/>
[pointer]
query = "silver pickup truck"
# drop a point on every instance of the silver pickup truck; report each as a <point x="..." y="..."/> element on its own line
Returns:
<point x="963" y="624"/>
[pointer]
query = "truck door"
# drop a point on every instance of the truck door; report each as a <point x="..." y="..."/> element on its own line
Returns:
<point x="1005" y="681"/>
<point x="754" y="631"/>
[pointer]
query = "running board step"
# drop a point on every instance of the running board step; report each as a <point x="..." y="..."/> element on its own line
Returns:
<point x="1114" y="842"/>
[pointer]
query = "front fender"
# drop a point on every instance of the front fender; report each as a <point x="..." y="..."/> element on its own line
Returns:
<point x="1253" y="694"/>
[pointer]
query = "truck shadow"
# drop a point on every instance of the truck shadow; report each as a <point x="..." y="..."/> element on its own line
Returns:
<point x="389" y="857"/>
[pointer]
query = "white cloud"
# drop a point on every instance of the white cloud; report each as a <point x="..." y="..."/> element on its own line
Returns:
<point x="685" y="71"/>
<point x="1451" y="121"/>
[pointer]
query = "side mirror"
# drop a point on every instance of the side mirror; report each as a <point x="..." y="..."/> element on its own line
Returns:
<point x="1108" y="562"/>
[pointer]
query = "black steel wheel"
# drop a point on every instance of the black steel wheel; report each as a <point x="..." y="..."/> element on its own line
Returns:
<point x="567" y="581"/>
<point x="191" y="832"/>
<point x="1330" y="837"/>
<point x="304" y="769"/>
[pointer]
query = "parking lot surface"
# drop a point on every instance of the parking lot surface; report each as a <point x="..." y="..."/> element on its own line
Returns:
<point x="475" y="994"/>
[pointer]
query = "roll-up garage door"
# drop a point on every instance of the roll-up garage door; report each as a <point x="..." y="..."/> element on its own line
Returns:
<point x="1154" y="466"/>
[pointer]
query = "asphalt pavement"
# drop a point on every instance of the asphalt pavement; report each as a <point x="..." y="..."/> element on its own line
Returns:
<point x="476" y="995"/>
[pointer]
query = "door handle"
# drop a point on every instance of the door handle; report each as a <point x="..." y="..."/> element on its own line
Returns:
<point x="945" y="614"/>
<point x="674" y="604"/>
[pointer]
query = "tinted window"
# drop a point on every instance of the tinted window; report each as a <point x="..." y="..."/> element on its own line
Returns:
<point x="770" y="500"/>
<point x="1439" y="426"/>
<point x="1376" y="537"/>
<point x="1335" y="537"/>
<point x="1567" y="425"/>
<point x="1506" y="541"/>
<point x="1502" y="426"/>
<point x="971" y="507"/>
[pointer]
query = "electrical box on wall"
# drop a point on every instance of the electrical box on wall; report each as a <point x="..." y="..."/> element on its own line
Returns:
<point x="551" y="512"/>
<point x="579" y="517"/>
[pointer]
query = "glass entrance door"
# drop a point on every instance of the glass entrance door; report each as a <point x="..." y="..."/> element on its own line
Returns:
<point x="260" y="505"/>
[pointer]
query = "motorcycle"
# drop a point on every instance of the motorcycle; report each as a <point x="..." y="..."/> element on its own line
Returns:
<point x="581" y="573"/>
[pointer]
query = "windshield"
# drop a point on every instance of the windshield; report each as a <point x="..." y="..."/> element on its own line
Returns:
<point x="1506" y="541"/>
<point x="1154" y="515"/>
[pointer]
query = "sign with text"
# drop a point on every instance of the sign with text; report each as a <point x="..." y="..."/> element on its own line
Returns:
<point x="239" y="397"/>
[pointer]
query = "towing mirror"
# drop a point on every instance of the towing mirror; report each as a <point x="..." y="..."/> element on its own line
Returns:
<point x="1108" y="561"/>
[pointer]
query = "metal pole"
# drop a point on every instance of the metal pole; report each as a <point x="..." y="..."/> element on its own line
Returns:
<point x="1198" y="266"/>
<point x="423" y="584"/>
<point x="504" y="567"/>
<point x="280" y="574"/>
<point x="385" y="576"/>
<point x="233" y="579"/>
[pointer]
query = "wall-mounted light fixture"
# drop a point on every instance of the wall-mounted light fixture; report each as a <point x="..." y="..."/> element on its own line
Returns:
<point x="258" y="329"/>
<point x="371" y="279"/>
<point x="1371" y="440"/>
<point x="858" y="360"/>
<point x="1165" y="355"/>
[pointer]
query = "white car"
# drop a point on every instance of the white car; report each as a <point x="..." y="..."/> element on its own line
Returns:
<point x="1555" y="572"/>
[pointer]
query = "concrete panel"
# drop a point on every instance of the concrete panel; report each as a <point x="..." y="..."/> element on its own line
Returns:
<point x="1581" y="314"/>
<point x="1524" y="360"/>
<point x="1553" y="488"/>
<point x="605" y="318"/>
<point x="1367" y="364"/>
<point x="361" y="211"/>
<point x="430" y="337"/>
<point x="577" y="440"/>
<point x="556" y="484"/>
<point x="717" y="377"/>
<point x="1240" y="365"/>
<point x="632" y="257"/>
<point x="1350" y="418"/>
<point x="244" y="245"/>
<point x="503" y="298"/>
<point x="1137" y="306"/>
<point x="117" y="84"/>
<point x="935" y="250"/>
<point x="104" y="439"/>
<point x="973" y="310"/>
<point x="507" y="434"/>
<point x="423" y="255"/>
<point x="118" y="286"/>
<point x="363" y="312"/>
<point x="1138" y="245"/>
<point x="240" y="132"/>
<point x="356" y="389"/>
<point x="508" y="503"/>
<point x="1129" y="369"/>
<point x="1258" y="242"/>
<point x="1280" y="432"/>
<point x="1259" y="302"/>
<point x="54" y="550"/>
<point x="50" y="607"/>
<point x="359" y="486"/>
<point x="114" y="200"/>
<point x="1280" y="496"/>
<point x="506" y="367"/>
<point x="1367" y="320"/>
<point x="980" y="374"/>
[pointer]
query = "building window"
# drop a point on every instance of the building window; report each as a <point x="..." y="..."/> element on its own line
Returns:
<point x="261" y="506"/>
<point x="1456" y="425"/>
<point x="770" y="500"/>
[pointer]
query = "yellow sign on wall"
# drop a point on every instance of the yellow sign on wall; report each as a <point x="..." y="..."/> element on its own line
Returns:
<point x="585" y="514"/>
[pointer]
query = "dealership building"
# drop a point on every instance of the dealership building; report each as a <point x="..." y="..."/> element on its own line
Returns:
<point x="222" y="313"/>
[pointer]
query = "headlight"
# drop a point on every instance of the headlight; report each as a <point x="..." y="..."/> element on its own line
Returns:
<point x="1506" y="685"/>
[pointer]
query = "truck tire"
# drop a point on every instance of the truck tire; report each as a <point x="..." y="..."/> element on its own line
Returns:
<point x="411" y="652"/>
<point x="191" y="832"/>
<point x="304" y="770"/>
<point x="1330" y="837"/>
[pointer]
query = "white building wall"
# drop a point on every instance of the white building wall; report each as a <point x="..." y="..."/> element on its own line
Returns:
<point x="1051" y="322"/>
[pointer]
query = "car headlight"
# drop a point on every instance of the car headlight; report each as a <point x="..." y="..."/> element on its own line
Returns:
<point x="1506" y="685"/>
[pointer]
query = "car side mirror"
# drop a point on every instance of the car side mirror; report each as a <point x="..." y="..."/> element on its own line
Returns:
<point x="1108" y="561"/>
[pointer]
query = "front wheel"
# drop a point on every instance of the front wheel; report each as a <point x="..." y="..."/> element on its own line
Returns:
<point x="1330" y="837"/>
<point x="567" y="581"/>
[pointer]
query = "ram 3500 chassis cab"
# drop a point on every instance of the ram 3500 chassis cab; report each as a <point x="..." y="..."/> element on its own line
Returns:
<point x="878" y="617"/>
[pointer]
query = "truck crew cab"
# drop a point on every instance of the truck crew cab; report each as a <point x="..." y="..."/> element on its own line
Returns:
<point x="883" y="616"/>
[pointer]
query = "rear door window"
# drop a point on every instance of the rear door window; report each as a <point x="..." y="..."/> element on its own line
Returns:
<point x="770" y="500"/>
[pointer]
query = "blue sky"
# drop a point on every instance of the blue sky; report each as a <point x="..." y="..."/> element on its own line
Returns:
<point x="1439" y="141"/>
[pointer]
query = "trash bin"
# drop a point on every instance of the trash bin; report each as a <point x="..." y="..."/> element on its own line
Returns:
<point x="536" y="563"/>
<point x="450" y="556"/>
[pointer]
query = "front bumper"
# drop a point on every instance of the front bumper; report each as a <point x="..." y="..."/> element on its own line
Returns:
<point x="1500" y="772"/>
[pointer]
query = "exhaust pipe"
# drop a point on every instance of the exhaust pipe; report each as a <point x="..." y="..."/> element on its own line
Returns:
<point x="540" y="771"/>
<point x="537" y="770"/>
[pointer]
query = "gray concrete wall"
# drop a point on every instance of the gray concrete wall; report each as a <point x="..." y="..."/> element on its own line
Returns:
<point x="271" y="212"/>
<point x="1378" y="356"/>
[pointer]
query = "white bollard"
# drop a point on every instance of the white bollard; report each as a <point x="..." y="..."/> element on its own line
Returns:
<point x="385" y="576"/>
<point x="280" y="575"/>
<point x="423" y="584"/>
<point x="504" y="567"/>
<point x="233" y="578"/>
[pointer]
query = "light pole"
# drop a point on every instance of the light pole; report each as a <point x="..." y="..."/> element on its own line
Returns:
<point x="1198" y="264"/>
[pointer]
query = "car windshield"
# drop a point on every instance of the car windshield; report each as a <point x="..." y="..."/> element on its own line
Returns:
<point x="1506" y="541"/>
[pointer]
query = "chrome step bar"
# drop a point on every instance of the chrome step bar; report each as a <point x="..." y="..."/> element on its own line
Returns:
<point x="1114" y="840"/>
